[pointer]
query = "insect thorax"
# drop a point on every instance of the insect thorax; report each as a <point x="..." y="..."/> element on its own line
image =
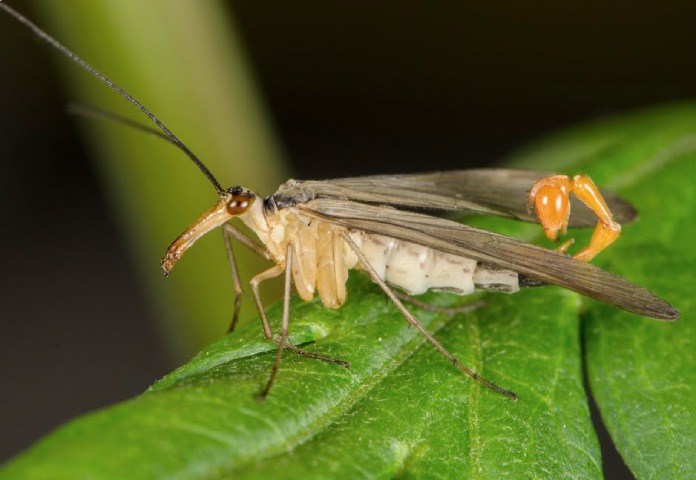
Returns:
<point x="321" y="257"/>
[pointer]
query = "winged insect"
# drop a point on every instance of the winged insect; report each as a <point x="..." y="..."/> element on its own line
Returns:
<point x="316" y="231"/>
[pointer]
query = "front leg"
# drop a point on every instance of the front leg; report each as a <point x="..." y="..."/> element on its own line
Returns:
<point x="285" y="322"/>
<point x="405" y="298"/>
<point x="265" y="275"/>
<point x="229" y="232"/>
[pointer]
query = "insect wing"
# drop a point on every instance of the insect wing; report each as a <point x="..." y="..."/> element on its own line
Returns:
<point x="459" y="239"/>
<point x="499" y="192"/>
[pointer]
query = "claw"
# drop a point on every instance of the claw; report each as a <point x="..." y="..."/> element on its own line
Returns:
<point x="550" y="197"/>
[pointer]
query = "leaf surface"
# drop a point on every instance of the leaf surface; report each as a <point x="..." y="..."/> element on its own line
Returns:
<point x="401" y="410"/>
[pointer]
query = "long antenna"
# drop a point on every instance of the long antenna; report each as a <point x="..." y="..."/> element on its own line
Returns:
<point x="96" y="112"/>
<point x="96" y="73"/>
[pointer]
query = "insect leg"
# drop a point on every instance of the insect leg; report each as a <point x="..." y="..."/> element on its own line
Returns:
<point x="284" y="323"/>
<point x="414" y="321"/>
<point x="229" y="232"/>
<point x="265" y="275"/>
<point x="235" y="280"/>
<point x="405" y="298"/>
<point x="268" y="332"/>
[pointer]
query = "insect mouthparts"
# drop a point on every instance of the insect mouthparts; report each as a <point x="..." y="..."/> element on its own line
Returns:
<point x="167" y="263"/>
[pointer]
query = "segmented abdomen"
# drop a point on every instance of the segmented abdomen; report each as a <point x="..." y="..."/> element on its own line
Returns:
<point x="417" y="269"/>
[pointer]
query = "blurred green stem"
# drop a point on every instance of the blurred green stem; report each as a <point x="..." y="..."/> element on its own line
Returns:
<point x="181" y="59"/>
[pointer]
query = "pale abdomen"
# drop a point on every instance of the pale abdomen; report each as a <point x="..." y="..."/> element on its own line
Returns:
<point x="417" y="269"/>
<point x="323" y="258"/>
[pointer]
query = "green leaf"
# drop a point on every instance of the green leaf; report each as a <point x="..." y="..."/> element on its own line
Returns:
<point x="642" y="372"/>
<point x="399" y="410"/>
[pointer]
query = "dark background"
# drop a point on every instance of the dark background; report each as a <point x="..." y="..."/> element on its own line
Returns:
<point x="353" y="88"/>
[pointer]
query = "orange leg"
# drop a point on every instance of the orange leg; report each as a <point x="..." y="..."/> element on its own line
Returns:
<point x="550" y="197"/>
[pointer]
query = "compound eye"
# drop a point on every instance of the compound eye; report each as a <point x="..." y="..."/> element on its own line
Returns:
<point x="239" y="204"/>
